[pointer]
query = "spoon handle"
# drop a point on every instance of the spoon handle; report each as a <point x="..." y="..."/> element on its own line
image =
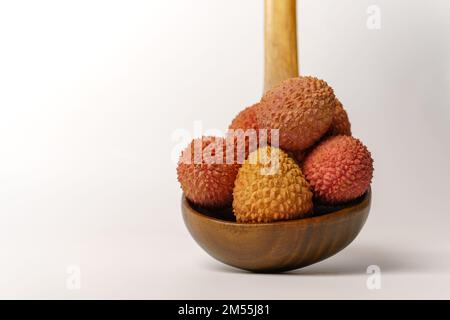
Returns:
<point x="280" y="39"/>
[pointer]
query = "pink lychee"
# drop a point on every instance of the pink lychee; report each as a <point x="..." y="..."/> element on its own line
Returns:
<point x="339" y="169"/>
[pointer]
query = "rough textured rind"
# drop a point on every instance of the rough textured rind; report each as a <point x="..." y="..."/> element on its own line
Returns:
<point x="340" y="124"/>
<point x="339" y="169"/>
<point x="246" y="119"/>
<point x="301" y="108"/>
<point x="244" y="126"/>
<point x="206" y="180"/>
<point x="260" y="198"/>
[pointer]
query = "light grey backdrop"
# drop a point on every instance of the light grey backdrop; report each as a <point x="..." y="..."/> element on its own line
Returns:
<point x="91" y="93"/>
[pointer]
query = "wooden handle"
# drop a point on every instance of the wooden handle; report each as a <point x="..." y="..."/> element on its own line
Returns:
<point x="280" y="42"/>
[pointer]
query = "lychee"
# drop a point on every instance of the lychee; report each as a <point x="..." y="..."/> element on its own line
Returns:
<point x="206" y="171"/>
<point x="245" y="129"/>
<point x="301" y="108"/>
<point x="246" y="119"/>
<point x="340" y="124"/>
<point x="339" y="169"/>
<point x="270" y="187"/>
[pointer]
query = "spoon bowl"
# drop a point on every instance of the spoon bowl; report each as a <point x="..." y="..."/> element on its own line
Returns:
<point x="277" y="246"/>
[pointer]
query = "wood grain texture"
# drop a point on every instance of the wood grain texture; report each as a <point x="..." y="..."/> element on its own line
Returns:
<point x="278" y="246"/>
<point x="280" y="41"/>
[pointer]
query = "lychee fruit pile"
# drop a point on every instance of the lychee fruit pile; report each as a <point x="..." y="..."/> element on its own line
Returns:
<point x="280" y="158"/>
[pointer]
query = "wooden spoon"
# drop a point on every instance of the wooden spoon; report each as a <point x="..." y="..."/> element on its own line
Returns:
<point x="280" y="42"/>
<point x="286" y="245"/>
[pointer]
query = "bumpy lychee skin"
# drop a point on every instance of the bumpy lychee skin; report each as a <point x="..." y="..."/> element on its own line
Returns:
<point x="244" y="128"/>
<point x="340" y="169"/>
<point x="246" y="119"/>
<point x="267" y="191"/>
<point x="204" y="174"/>
<point x="340" y="124"/>
<point x="301" y="108"/>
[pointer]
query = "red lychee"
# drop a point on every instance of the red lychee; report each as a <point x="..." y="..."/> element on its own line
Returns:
<point x="244" y="128"/>
<point x="301" y="108"/>
<point x="339" y="169"/>
<point x="246" y="119"/>
<point x="340" y="124"/>
<point x="207" y="169"/>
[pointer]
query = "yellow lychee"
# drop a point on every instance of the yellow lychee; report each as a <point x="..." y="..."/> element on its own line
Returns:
<point x="270" y="186"/>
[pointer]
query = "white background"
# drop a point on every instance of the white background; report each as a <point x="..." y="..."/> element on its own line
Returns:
<point x="91" y="93"/>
